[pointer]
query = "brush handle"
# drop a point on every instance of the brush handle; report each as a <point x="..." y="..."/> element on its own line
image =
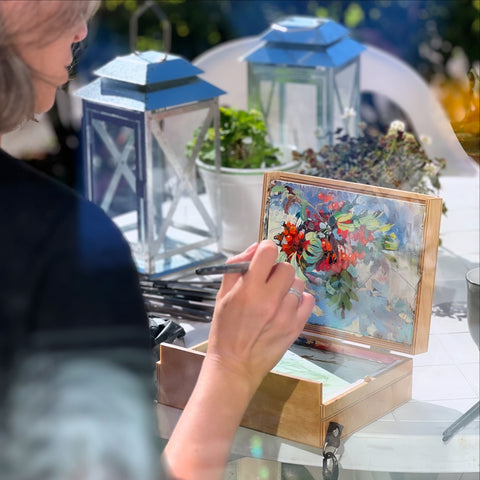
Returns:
<point x="240" y="267"/>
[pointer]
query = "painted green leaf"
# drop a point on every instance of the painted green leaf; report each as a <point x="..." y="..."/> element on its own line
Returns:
<point x="328" y="287"/>
<point x="277" y="188"/>
<point x="386" y="227"/>
<point x="370" y="222"/>
<point x="303" y="211"/>
<point x="346" y="226"/>
<point x="334" y="299"/>
<point x="391" y="258"/>
<point x="353" y="295"/>
<point x="298" y="270"/>
<point x="343" y="217"/>
<point x="346" y="277"/>
<point x="346" y="301"/>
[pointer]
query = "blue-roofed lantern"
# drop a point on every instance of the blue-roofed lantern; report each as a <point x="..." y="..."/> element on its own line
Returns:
<point x="304" y="78"/>
<point x="138" y="117"/>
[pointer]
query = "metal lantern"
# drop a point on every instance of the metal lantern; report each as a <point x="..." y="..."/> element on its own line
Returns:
<point x="138" y="118"/>
<point x="304" y="78"/>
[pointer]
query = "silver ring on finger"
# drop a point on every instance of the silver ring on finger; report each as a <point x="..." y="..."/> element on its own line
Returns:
<point x="296" y="293"/>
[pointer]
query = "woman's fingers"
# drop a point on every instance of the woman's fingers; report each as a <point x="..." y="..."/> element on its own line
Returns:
<point x="281" y="278"/>
<point x="266" y="307"/>
<point x="300" y="302"/>
<point x="262" y="256"/>
<point x="263" y="261"/>
<point x="292" y="314"/>
<point x="230" y="279"/>
<point x="305" y="307"/>
<point x="295" y="293"/>
<point x="244" y="256"/>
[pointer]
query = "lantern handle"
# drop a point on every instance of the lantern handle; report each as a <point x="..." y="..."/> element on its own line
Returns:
<point x="166" y="26"/>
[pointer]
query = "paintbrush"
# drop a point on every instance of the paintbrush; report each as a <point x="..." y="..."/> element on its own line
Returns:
<point x="179" y="301"/>
<point x="240" y="267"/>
<point x="177" y="311"/>
<point x="187" y="290"/>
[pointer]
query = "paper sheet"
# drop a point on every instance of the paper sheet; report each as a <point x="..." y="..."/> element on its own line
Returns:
<point x="293" y="364"/>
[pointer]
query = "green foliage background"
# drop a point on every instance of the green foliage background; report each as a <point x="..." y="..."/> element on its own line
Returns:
<point x="424" y="33"/>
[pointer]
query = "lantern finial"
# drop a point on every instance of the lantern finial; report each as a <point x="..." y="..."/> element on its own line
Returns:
<point x="166" y="26"/>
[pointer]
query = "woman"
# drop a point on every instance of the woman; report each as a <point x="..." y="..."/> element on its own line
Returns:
<point x="70" y="305"/>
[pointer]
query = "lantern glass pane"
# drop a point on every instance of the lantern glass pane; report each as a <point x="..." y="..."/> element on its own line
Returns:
<point x="347" y="98"/>
<point x="296" y="103"/>
<point x="303" y="107"/>
<point x="175" y="221"/>
<point x="113" y="164"/>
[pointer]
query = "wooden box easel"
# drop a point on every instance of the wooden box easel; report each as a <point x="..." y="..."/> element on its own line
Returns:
<point x="375" y="360"/>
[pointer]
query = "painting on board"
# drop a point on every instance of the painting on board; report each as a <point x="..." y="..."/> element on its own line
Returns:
<point x="359" y="250"/>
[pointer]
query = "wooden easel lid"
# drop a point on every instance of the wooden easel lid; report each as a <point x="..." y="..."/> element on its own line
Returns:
<point x="367" y="253"/>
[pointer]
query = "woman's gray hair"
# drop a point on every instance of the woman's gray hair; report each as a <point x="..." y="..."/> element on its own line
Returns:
<point x="36" y="23"/>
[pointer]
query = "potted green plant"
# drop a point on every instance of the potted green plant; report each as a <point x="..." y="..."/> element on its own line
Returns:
<point x="393" y="160"/>
<point x="245" y="154"/>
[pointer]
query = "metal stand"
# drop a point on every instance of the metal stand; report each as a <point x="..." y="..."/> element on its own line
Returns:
<point x="461" y="422"/>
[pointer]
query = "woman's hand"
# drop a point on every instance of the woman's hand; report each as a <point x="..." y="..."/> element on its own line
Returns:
<point x="256" y="318"/>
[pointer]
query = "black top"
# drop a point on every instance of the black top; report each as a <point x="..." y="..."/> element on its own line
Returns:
<point x="74" y="338"/>
<point x="67" y="277"/>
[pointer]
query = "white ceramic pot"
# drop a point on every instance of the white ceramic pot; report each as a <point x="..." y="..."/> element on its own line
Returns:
<point x="239" y="202"/>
